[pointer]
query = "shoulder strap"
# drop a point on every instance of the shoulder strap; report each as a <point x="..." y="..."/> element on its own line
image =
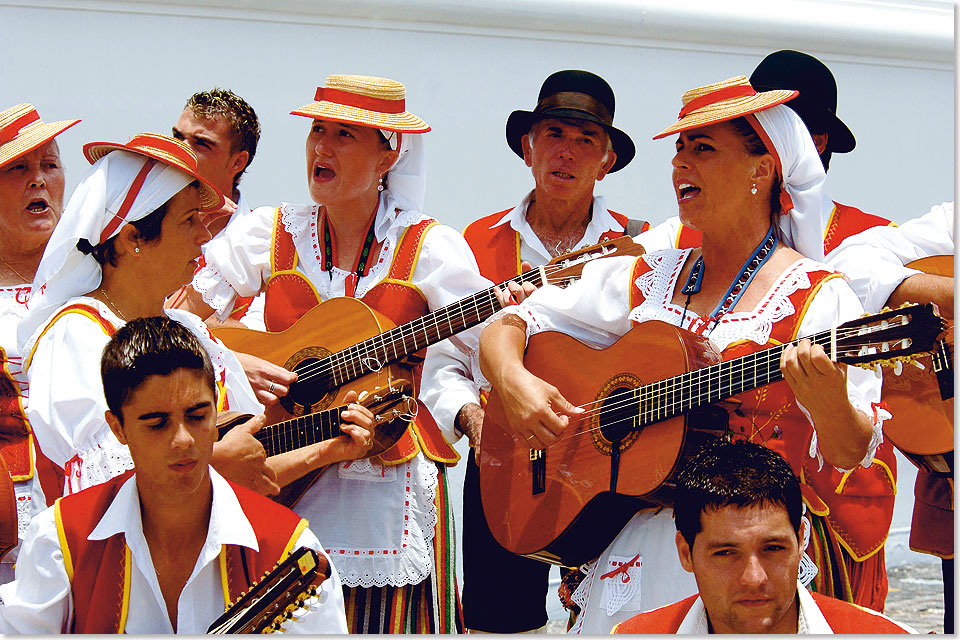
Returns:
<point x="635" y="227"/>
<point x="408" y="250"/>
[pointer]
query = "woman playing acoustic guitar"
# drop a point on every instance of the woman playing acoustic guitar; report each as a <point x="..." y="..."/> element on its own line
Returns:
<point x="746" y="175"/>
<point x="386" y="522"/>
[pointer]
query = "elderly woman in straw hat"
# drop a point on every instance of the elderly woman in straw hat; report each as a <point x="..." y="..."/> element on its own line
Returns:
<point x="31" y="199"/>
<point x="747" y="176"/>
<point x="131" y="234"/>
<point x="386" y="522"/>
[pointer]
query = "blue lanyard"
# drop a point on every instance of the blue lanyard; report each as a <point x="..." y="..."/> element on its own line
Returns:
<point x="749" y="269"/>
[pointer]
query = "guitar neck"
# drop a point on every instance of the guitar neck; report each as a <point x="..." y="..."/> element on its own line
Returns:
<point x="680" y="394"/>
<point x="402" y="341"/>
<point x="300" y="432"/>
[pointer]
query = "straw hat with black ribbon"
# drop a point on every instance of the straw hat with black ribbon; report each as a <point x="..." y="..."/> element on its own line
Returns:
<point x="573" y="94"/>
<point x="22" y="131"/>
<point x="786" y="139"/>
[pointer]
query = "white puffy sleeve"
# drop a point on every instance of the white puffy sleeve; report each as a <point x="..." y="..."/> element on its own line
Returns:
<point x="38" y="601"/>
<point x="833" y="305"/>
<point x="446" y="272"/>
<point x="325" y="613"/>
<point x="67" y="405"/>
<point x="662" y="236"/>
<point x="238" y="262"/>
<point x="593" y="309"/>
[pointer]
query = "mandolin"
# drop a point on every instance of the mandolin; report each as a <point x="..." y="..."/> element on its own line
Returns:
<point x="565" y="504"/>
<point x="342" y="340"/>
<point x="921" y="398"/>
<point x="392" y="407"/>
<point x="277" y="596"/>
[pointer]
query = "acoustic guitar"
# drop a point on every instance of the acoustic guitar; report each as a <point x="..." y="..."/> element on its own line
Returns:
<point x="392" y="408"/>
<point x="277" y="597"/>
<point x="565" y="504"/>
<point x="921" y="399"/>
<point x="343" y="341"/>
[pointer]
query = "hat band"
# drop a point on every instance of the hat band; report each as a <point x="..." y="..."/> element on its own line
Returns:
<point x="151" y="143"/>
<point x="577" y="101"/>
<point x="739" y="91"/>
<point x="132" y="194"/>
<point x="349" y="99"/>
<point x="13" y="129"/>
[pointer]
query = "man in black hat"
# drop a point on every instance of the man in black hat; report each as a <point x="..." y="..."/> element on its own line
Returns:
<point x="569" y="142"/>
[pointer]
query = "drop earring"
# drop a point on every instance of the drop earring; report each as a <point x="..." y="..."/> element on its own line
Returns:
<point x="136" y="249"/>
<point x="753" y="189"/>
<point x="380" y="184"/>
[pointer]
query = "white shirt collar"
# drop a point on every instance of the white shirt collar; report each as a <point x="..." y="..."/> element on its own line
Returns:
<point x="810" y="619"/>
<point x="600" y="222"/>
<point x="228" y="524"/>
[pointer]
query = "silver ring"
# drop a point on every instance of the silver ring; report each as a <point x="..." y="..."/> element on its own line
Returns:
<point x="273" y="385"/>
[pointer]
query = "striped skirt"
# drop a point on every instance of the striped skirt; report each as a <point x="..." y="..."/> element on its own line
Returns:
<point x="432" y="606"/>
<point x="863" y="583"/>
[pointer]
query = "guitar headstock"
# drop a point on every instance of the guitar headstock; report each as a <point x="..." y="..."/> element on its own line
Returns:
<point x="273" y="599"/>
<point x="563" y="269"/>
<point x="396" y="400"/>
<point x="889" y="336"/>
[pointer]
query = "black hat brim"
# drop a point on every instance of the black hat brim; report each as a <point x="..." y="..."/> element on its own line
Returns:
<point x="519" y="123"/>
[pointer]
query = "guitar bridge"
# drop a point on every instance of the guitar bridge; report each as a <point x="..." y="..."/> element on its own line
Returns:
<point x="538" y="468"/>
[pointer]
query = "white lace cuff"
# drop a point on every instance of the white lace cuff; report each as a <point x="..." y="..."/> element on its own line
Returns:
<point x="90" y="467"/>
<point x="877" y="412"/>
<point x="215" y="290"/>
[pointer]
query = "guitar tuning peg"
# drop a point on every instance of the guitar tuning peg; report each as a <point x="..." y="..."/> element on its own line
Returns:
<point x="918" y="364"/>
<point x="898" y="367"/>
<point x="312" y="591"/>
<point x="362" y="396"/>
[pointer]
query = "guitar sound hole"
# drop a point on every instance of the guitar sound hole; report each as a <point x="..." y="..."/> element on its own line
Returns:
<point x="618" y="415"/>
<point x="310" y="392"/>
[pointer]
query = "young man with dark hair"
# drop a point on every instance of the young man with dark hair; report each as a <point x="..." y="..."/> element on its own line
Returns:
<point x="164" y="548"/>
<point x="739" y="531"/>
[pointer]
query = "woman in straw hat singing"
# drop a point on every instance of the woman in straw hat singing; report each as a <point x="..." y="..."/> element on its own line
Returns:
<point x="31" y="199"/>
<point x="746" y="174"/>
<point x="386" y="523"/>
<point x="131" y="235"/>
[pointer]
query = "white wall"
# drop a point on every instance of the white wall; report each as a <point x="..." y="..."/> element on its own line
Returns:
<point x="128" y="66"/>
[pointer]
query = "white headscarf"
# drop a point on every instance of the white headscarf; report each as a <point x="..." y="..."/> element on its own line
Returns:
<point x="66" y="272"/>
<point x="801" y="227"/>
<point x="406" y="182"/>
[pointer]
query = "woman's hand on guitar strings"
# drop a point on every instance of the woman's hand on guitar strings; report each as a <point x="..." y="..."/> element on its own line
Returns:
<point x="358" y="429"/>
<point x="816" y="381"/>
<point x="269" y="381"/>
<point x="239" y="457"/>
<point x="535" y="409"/>
<point x="513" y="293"/>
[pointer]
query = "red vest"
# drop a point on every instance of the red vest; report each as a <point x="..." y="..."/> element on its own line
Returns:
<point x="858" y="505"/>
<point x="99" y="570"/>
<point x="842" y="617"/>
<point x="497" y="250"/>
<point x="844" y="222"/>
<point x="289" y="295"/>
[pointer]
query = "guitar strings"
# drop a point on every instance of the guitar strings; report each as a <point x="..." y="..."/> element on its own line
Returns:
<point x="339" y="359"/>
<point x="763" y="359"/>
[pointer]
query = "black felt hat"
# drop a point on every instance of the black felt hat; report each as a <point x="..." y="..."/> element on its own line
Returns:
<point x="573" y="94"/>
<point x="817" y="102"/>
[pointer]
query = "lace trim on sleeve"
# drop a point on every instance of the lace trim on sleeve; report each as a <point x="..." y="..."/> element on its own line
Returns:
<point x="215" y="290"/>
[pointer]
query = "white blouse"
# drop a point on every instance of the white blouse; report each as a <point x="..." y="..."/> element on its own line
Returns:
<point x="376" y="521"/>
<point x="67" y="404"/>
<point x="40" y="600"/>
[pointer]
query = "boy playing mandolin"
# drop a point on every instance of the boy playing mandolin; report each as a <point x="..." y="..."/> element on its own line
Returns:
<point x="165" y="548"/>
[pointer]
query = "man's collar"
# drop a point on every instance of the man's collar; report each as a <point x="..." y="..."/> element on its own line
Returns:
<point x="809" y="618"/>
<point x="601" y="220"/>
<point x="228" y="523"/>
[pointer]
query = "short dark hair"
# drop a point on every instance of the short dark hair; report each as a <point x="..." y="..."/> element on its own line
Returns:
<point x="155" y="346"/>
<point x="740" y="474"/>
<point x="241" y="116"/>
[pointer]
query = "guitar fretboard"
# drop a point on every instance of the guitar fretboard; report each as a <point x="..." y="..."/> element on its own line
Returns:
<point x="673" y="396"/>
<point x="398" y="343"/>
<point x="300" y="432"/>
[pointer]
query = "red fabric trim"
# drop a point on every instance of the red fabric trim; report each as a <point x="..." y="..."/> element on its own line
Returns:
<point x="496" y="250"/>
<point x="349" y="99"/>
<point x="844" y="617"/>
<point x="132" y="193"/>
<point x="739" y="91"/>
<point x="666" y="619"/>
<point x="13" y="129"/>
<point x="847" y="221"/>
